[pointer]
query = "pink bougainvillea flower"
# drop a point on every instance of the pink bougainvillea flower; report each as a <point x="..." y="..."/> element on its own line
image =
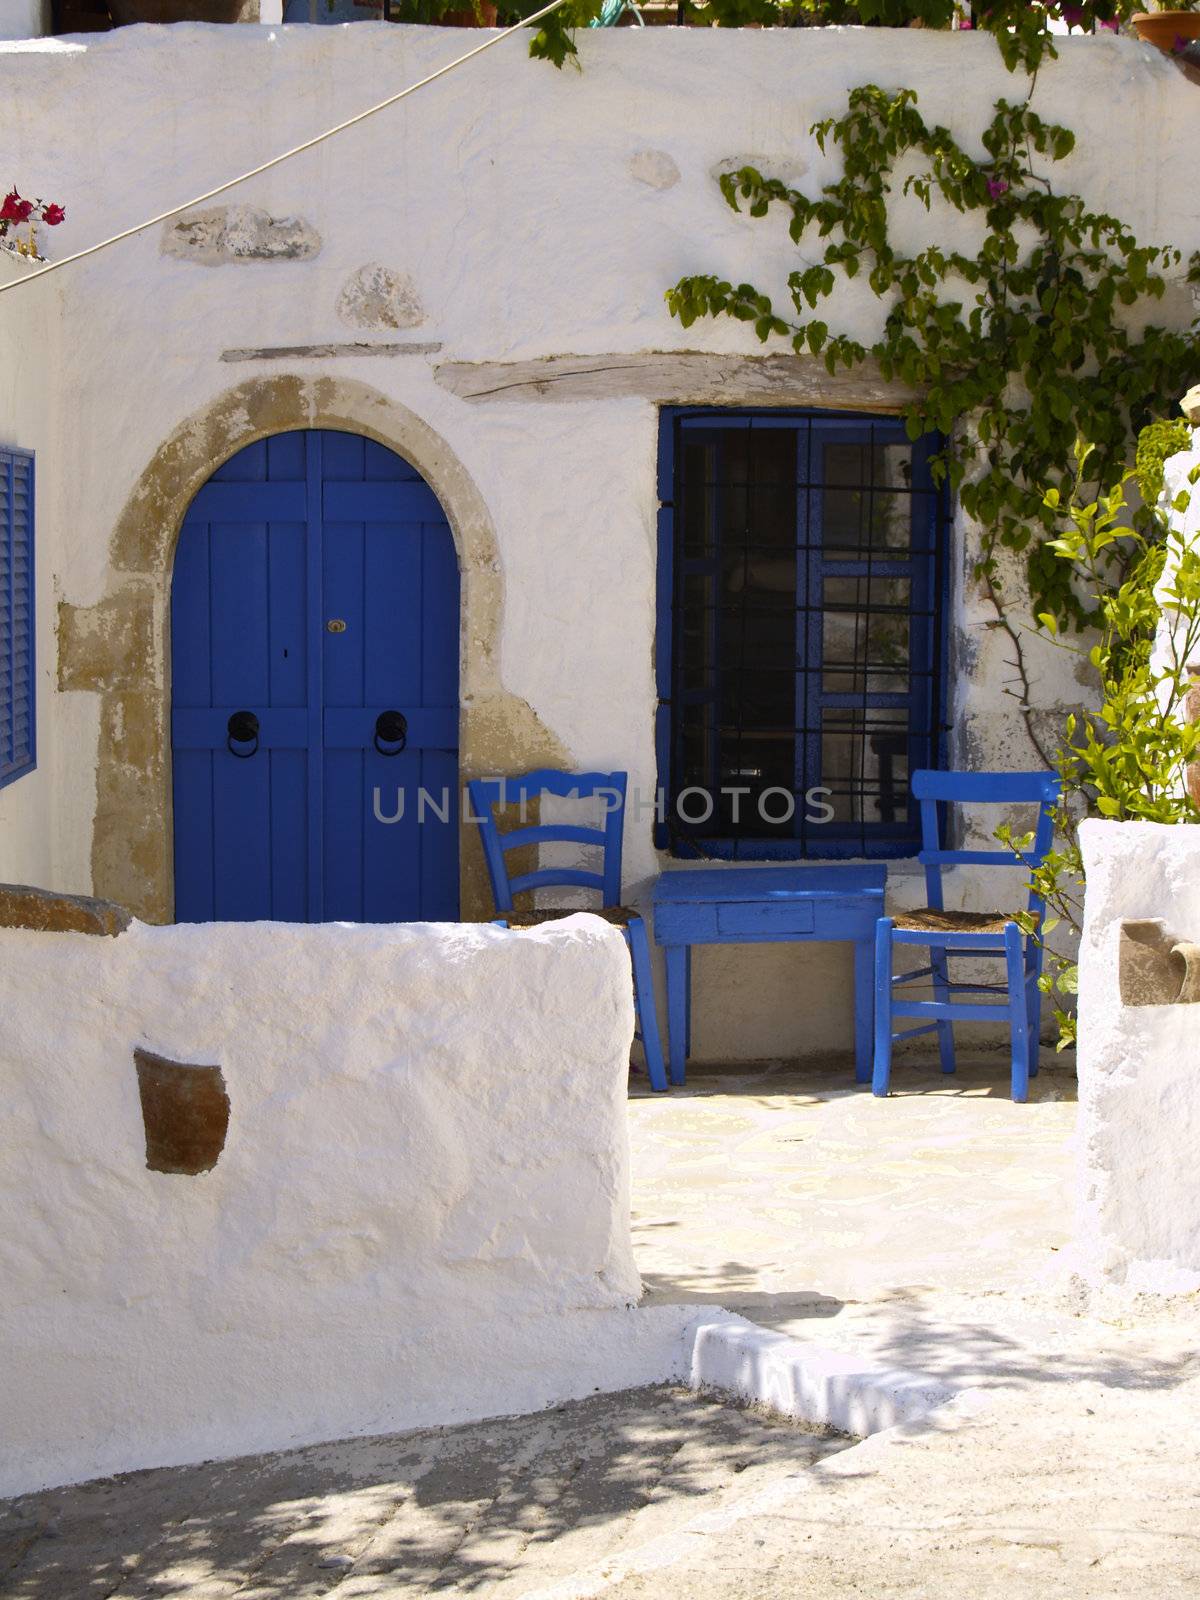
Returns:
<point x="996" y="187"/>
<point x="1109" y="24"/>
<point x="53" y="215"/>
<point x="1072" y="15"/>
<point x="965" y="24"/>
<point x="15" y="209"/>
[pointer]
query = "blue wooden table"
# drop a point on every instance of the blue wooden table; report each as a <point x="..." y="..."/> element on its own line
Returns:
<point x="765" y="905"/>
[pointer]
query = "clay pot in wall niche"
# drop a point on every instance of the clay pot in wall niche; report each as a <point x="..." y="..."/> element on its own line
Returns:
<point x="1156" y="969"/>
<point x="125" y="12"/>
<point x="1166" y="28"/>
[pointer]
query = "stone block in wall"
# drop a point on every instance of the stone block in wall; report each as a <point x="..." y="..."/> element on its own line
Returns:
<point x="233" y="235"/>
<point x="43" y="911"/>
<point x="185" y="1111"/>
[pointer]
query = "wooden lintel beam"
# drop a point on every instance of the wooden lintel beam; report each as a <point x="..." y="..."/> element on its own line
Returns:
<point x="686" y="377"/>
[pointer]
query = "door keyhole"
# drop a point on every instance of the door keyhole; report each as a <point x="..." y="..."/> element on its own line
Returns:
<point x="335" y="625"/>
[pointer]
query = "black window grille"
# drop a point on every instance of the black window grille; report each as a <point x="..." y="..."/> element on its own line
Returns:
<point x="800" y="632"/>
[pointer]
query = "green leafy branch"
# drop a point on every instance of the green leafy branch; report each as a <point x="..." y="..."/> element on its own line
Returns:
<point x="1021" y="28"/>
<point x="1129" y="759"/>
<point x="1028" y="337"/>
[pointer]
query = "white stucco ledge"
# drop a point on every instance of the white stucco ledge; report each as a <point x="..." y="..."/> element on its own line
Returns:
<point x="1138" y="1200"/>
<point x="823" y="1388"/>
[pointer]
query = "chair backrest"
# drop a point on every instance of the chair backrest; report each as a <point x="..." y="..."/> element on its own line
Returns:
<point x="933" y="789"/>
<point x="488" y="793"/>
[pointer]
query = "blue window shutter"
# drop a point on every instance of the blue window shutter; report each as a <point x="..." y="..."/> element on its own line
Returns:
<point x="17" y="702"/>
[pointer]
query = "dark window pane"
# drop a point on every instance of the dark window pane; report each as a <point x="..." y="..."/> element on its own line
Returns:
<point x="866" y="625"/>
<point x="864" y="764"/>
<point x="866" y="504"/>
<point x="801" y="662"/>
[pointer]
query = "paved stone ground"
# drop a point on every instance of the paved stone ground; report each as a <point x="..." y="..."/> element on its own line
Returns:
<point x="789" y="1194"/>
<point x="930" y="1229"/>
<point x="487" y="1509"/>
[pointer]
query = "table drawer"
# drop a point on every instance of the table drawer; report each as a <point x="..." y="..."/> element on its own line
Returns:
<point x="756" y="916"/>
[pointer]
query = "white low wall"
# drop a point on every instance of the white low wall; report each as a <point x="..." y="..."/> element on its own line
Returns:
<point x="1139" y="1067"/>
<point x="420" y="1214"/>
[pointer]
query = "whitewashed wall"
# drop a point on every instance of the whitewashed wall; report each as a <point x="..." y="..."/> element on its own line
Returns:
<point x="420" y="1214"/>
<point x="43" y="831"/>
<point x="1139" y="1067"/>
<point x="514" y="198"/>
<point x="25" y="19"/>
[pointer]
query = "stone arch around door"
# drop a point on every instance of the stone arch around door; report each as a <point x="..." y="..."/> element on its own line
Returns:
<point x="119" y="647"/>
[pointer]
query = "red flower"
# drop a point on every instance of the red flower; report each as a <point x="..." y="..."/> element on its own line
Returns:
<point x="53" y="215"/>
<point x="1072" y="15"/>
<point x="15" y="209"/>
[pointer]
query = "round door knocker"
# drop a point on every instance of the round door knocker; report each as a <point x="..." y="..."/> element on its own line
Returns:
<point x="391" y="727"/>
<point x="241" y="728"/>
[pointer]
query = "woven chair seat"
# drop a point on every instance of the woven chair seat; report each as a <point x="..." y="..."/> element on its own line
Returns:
<point x="927" y="920"/>
<point x="619" y="916"/>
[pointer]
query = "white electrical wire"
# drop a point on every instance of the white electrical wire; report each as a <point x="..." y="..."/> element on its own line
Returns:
<point x="286" y="155"/>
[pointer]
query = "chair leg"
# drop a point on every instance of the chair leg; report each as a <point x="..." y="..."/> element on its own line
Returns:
<point x="864" y="1009"/>
<point x="1018" y="1003"/>
<point x="678" y="1006"/>
<point x="940" y="962"/>
<point x="1036" y="967"/>
<point x="687" y="1000"/>
<point x="881" y="1078"/>
<point x="643" y="988"/>
<point x="1034" y="1008"/>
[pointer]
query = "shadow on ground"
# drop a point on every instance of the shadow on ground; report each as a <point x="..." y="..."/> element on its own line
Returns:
<point x="927" y="1231"/>
<point x="494" y="1508"/>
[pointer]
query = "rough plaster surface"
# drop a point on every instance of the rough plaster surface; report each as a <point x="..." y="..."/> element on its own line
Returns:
<point x="238" y="235"/>
<point x="655" y="168"/>
<point x="379" y="297"/>
<point x="420" y="1214"/>
<point x="531" y="241"/>
<point x="1139" y="1067"/>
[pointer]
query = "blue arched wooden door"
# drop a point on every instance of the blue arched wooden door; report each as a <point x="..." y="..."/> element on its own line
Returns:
<point x="316" y="590"/>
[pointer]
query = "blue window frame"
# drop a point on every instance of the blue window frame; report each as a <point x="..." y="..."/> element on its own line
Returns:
<point x="17" y="720"/>
<point x="800" y="632"/>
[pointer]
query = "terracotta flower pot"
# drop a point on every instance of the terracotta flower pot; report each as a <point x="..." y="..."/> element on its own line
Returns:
<point x="128" y="11"/>
<point x="1166" y="28"/>
<point x="468" y="19"/>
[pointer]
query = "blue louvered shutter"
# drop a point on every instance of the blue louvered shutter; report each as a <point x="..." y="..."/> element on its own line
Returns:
<point x="17" y="723"/>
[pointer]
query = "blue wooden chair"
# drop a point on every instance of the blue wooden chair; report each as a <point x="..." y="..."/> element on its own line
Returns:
<point x="487" y="793"/>
<point x="966" y="933"/>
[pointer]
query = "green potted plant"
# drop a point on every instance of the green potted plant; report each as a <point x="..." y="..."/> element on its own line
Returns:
<point x="128" y="11"/>
<point x="1171" y="28"/>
